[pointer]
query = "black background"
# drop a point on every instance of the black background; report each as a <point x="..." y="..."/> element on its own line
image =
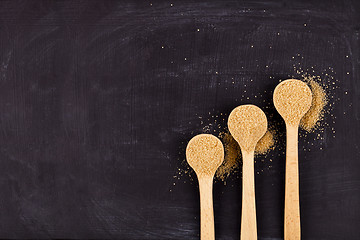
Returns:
<point x="98" y="100"/>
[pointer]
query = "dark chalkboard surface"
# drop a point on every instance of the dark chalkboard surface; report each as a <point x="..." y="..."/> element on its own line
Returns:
<point x="99" y="98"/>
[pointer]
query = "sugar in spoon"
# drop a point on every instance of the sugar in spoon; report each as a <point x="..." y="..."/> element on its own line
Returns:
<point x="205" y="153"/>
<point x="247" y="124"/>
<point x="292" y="99"/>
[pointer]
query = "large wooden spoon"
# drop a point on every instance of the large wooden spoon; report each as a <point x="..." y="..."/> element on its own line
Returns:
<point x="205" y="153"/>
<point x="247" y="124"/>
<point x="292" y="99"/>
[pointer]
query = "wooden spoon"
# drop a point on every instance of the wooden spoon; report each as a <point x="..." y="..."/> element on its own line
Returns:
<point x="292" y="99"/>
<point x="205" y="153"/>
<point x="247" y="124"/>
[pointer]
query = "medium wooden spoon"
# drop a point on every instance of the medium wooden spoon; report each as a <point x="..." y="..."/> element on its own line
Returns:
<point x="205" y="153"/>
<point x="247" y="124"/>
<point x="292" y="99"/>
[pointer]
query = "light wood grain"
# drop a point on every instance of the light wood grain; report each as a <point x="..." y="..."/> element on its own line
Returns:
<point x="207" y="231"/>
<point x="248" y="212"/>
<point x="292" y="229"/>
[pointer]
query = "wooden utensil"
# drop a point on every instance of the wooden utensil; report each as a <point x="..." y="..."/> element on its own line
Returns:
<point x="247" y="124"/>
<point x="205" y="153"/>
<point x="292" y="99"/>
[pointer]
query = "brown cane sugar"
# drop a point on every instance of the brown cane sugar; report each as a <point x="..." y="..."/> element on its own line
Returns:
<point x="266" y="143"/>
<point x="232" y="158"/>
<point x="204" y="154"/>
<point x="320" y="87"/>
<point x="292" y="99"/>
<point x="316" y="112"/>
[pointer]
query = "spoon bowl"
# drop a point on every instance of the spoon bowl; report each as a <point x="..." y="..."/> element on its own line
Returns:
<point x="247" y="124"/>
<point x="205" y="153"/>
<point x="292" y="99"/>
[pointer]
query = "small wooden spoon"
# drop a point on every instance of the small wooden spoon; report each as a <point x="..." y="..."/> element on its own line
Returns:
<point x="205" y="153"/>
<point x="247" y="124"/>
<point x="292" y="99"/>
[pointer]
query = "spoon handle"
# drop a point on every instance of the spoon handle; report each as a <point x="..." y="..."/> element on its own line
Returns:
<point x="292" y="206"/>
<point x="207" y="231"/>
<point x="248" y="212"/>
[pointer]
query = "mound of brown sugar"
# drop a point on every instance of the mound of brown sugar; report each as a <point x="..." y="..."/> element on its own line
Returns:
<point x="266" y="143"/>
<point x="232" y="157"/>
<point x="316" y="112"/>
